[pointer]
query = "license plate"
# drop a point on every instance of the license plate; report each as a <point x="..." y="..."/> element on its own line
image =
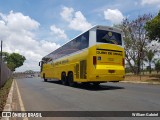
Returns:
<point x="111" y="71"/>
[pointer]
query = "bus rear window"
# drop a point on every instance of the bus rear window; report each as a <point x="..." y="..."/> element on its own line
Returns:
<point x="104" y="36"/>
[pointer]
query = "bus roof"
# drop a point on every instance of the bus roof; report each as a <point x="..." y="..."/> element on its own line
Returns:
<point x="92" y="28"/>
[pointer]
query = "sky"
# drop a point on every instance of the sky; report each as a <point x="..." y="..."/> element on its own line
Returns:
<point x="34" y="28"/>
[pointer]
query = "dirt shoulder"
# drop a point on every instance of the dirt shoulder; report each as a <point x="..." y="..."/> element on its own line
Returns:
<point x="143" y="79"/>
<point x="4" y="93"/>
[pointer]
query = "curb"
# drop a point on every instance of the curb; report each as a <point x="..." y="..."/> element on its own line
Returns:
<point x="8" y="106"/>
<point x="138" y="82"/>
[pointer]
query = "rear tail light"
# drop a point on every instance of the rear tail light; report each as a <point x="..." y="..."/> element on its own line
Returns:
<point x="94" y="60"/>
<point x="123" y="61"/>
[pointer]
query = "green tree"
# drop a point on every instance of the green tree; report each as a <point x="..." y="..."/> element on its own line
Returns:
<point x="149" y="57"/>
<point x="5" y="55"/>
<point x="11" y="66"/>
<point x="157" y="66"/>
<point x="135" y="40"/>
<point x="153" y="28"/>
<point x="14" y="60"/>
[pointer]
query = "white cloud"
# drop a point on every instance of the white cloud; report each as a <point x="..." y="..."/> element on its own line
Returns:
<point x="58" y="32"/>
<point x="76" y="20"/>
<point x="150" y="2"/>
<point x="18" y="35"/>
<point x="67" y="13"/>
<point x="34" y="56"/>
<point x="79" y="22"/>
<point x="115" y="16"/>
<point x="135" y="3"/>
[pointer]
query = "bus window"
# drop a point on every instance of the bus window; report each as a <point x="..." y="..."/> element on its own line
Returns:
<point x="104" y="36"/>
<point x="84" y="40"/>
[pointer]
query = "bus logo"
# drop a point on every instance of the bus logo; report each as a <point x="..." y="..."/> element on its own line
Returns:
<point x="110" y="34"/>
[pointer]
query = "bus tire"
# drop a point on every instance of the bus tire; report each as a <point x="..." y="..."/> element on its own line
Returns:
<point x="45" y="80"/>
<point x="64" y="78"/>
<point x="71" y="79"/>
<point x="96" y="84"/>
<point x="85" y="84"/>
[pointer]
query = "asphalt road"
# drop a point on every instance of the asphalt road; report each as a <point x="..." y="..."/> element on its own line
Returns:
<point x="52" y="96"/>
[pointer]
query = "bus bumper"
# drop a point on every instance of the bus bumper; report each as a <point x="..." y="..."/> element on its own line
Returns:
<point x="106" y="78"/>
<point x="107" y="74"/>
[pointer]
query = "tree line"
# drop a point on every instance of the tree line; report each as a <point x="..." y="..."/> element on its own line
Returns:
<point x="141" y="42"/>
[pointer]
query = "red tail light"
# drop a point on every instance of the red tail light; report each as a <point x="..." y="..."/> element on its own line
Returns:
<point x="94" y="60"/>
<point x="123" y="61"/>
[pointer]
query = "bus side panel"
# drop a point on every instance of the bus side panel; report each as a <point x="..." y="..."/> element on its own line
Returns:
<point x="46" y="71"/>
<point x="76" y="63"/>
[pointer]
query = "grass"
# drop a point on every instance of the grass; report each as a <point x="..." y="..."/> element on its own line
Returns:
<point x="143" y="78"/>
<point x="4" y="93"/>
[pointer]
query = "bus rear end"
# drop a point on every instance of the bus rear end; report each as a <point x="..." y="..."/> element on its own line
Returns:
<point x="106" y="55"/>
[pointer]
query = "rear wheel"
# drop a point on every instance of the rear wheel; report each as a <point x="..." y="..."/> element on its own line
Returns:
<point x="85" y="83"/>
<point x="44" y="78"/>
<point x="64" y="79"/>
<point x="96" y="83"/>
<point x="71" y="79"/>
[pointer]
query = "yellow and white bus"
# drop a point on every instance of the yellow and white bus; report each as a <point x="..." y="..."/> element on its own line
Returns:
<point x="95" y="56"/>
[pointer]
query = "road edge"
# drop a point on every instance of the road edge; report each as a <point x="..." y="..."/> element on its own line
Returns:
<point x="139" y="82"/>
<point x="8" y="106"/>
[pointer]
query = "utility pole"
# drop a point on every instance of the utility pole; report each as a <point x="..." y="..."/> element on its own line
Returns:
<point x="1" y="65"/>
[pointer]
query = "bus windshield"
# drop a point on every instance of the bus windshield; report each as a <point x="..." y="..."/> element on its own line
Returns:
<point x="104" y="36"/>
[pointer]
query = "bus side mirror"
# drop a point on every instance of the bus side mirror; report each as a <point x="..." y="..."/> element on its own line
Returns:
<point x="39" y="63"/>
